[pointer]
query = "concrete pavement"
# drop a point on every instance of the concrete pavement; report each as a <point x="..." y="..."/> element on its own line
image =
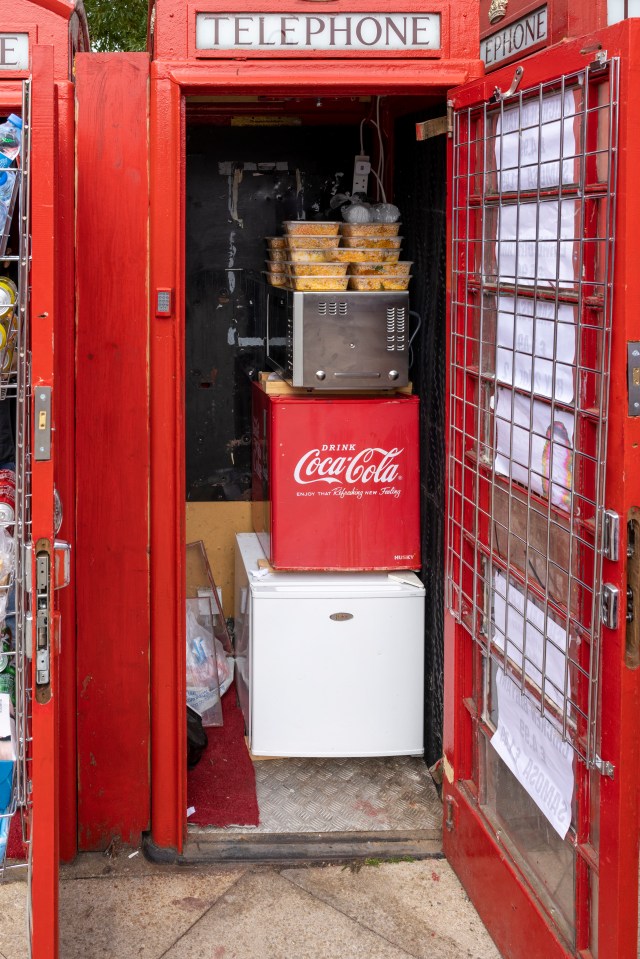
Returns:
<point x="129" y="909"/>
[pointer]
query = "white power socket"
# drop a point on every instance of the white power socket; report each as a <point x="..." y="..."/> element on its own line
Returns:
<point x="361" y="171"/>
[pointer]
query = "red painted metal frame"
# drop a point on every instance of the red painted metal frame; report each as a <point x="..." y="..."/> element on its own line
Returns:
<point x="490" y="877"/>
<point x="47" y="22"/>
<point x="45" y="745"/>
<point x="174" y="35"/>
<point x="65" y="462"/>
<point x="169" y="84"/>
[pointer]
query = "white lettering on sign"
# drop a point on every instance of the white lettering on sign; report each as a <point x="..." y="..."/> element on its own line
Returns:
<point x="372" y="465"/>
<point x="327" y="32"/>
<point x="515" y="37"/>
<point x="535" y="753"/>
<point x="14" y="51"/>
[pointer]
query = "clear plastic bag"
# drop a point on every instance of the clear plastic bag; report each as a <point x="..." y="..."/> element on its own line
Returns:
<point x="209" y="669"/>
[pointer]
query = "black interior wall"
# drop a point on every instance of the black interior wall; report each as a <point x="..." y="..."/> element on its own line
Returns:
<point x="242" y="182"/>
<point x="420" y="192"/>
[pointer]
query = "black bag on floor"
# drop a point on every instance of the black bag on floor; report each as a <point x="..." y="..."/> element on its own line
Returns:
<point x="196" y="738"/>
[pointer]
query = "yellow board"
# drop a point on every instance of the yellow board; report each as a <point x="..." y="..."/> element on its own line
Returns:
<point x="216" y="524"/>
<point x="279" y="387"/>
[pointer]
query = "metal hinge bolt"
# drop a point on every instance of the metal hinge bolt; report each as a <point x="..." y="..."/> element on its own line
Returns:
<point x="604" y="768"/>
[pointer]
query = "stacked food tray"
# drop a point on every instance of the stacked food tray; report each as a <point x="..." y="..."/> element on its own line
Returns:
<point x="325" y="256"/>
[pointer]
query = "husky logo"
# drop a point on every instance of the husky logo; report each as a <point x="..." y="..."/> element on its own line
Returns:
<point x="498" y="10"/>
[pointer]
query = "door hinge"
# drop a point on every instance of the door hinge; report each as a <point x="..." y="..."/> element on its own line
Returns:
<point x="604" y="768"/>
<point x="611" y="536"/>
<point x="610" y="606"/>
<point x="599" y="62"/>
<point x="450" y="821"/>
<point x="436" y="127"/>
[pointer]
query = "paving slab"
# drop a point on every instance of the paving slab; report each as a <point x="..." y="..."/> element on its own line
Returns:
<point x="13" y="924"/>
<point x="264" y="916"/>
<point x="420" y="907"/>
<point x="118" y="915"/>
<point x="134" y="918"/>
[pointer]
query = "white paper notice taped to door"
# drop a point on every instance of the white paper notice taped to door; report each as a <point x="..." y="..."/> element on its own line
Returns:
<point x="535" y="643"/>
<point x="534" y="445"/>
<point x="534" y="752"/>
<point x="532" y="137"/>
<point x="536" y="346"/>
<point x="538" y="243"/>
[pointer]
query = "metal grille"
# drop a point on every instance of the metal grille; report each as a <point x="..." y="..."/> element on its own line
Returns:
<point x="532" y="252"/>
<point x="15" y="379"/>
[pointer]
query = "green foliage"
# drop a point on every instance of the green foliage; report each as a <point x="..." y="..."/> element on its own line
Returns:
<point x="117" y="24"/>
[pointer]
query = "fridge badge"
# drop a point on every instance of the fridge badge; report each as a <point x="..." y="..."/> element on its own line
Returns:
<point x="498" y="10"/>
<point x="345" y="468"/>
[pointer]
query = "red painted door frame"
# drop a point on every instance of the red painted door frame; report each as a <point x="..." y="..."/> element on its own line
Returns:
<point x="64" y="360"/>
<point x="45" y="718"/>
<point x="519" y="923"/>
<point x="170" y="83"/>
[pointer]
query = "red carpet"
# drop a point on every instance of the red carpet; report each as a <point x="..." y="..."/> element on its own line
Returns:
<point x="222" y="787"/>
<point x="15" y="847"/>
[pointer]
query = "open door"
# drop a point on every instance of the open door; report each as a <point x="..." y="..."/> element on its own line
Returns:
<point x="29" y="574"/>
<point x="540" y="791"/>
<point x="42" y="619"/>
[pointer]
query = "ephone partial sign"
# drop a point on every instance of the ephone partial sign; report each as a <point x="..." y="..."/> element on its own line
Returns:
<point x="14" y="51"/>
<point x="516" y="39"/>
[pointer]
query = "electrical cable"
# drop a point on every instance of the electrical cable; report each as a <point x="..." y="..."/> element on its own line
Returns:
<point x="413" y="335"/>
<point x="381" y="157"/>
<point x="379" y="173"/>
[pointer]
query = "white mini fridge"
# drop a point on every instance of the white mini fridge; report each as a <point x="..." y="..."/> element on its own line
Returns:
<point x="328" y="664"/>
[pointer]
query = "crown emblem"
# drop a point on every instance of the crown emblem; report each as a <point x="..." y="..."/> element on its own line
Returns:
<point x="497" y="10"/>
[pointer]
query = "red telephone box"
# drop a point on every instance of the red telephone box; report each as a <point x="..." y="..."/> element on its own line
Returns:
<point x="37" y="46"/>
<point x="539" y="500"/>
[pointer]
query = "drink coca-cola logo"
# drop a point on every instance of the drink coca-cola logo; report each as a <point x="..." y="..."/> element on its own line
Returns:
<point x="330" y="465"/>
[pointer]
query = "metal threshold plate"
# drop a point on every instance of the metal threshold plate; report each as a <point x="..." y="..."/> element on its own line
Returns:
<point x="322" y="810"/>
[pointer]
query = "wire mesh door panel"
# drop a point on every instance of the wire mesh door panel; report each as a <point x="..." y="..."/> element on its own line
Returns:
<point x="532" y="261"/>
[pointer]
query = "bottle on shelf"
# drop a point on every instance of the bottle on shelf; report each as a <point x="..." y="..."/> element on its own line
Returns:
<point x="7" y="498"/>
<point x="7" y="180"/>
<point x="7" y="665"/>
<point x="10" y="140"/>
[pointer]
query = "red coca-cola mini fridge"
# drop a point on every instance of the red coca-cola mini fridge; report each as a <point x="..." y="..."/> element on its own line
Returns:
<point x="336" y="481"/>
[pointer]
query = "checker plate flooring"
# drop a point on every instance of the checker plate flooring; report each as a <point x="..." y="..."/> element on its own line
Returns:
<point x="342" y="795"/>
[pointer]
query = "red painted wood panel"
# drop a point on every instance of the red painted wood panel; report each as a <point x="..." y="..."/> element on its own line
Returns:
<point x="112" y="448"/>
<point x="45" y="702"/>
<point x="64" y="467"/>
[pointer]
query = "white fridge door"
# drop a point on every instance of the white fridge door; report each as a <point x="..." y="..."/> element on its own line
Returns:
<point x="337" y="676"/>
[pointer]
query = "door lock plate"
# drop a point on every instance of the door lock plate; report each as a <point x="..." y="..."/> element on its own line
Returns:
<point x="42" y="431"/>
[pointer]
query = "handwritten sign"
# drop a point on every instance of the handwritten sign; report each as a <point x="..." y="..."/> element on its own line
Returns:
<point x="531" y="139"/>
<point x="537" y="242"/>
<point x="534" y="445"/>
<point x="532" y="333"/>
<point x="534" y="642"/>
<point x="535" y="753"/>
<point x="330" y="33"/>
